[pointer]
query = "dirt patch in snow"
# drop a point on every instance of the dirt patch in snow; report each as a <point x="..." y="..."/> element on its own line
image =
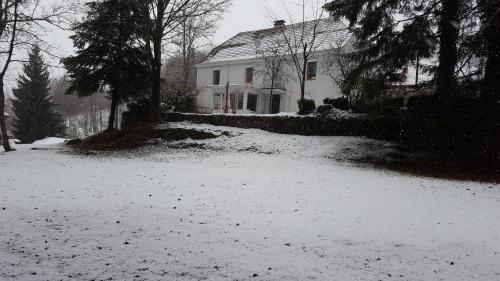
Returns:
<point x="397" y="158"/>
<point x="137" y="137"/>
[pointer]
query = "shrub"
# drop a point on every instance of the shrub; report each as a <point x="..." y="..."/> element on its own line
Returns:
<point x="339" y="103"/>
<point x="179" y="98"/>
<point x="459" y="126"/>
<point x="389" y="105"/>
<point x="371" y="89"/>
<point x="324" y="109"/>
<point x="306" y="106"/>
<point x="137" y="112"/>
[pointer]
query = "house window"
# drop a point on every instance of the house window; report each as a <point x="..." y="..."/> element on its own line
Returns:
<point x="217" y="101"/>
<point x="249" y="75"/>
<point x="240" y="101"/>
<point x="312" y="68"/>
<point x="279" y="82"/>
<point x="252" y="102"/>
<point x="216" y="77"/>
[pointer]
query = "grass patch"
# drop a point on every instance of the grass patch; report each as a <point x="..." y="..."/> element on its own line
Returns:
<point x="136" y="137"/>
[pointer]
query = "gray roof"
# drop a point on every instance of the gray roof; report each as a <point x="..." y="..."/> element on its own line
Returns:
<point x="330" y="34"/>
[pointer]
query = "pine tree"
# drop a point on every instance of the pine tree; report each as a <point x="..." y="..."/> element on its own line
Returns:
<point x="35" y="113"/>
<point x="449" y="32"/>
<point x="490" y="37"/>
<point x="393" y="33"/>
<point x="108" y="55"/>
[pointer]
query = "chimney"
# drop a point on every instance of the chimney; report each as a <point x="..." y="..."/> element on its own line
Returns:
<point x="327" y="6"/>
<point x="279" y="23"/>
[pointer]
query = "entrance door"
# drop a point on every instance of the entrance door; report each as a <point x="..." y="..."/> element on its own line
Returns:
<point x="276" y="104"/>
<point x="232" y="102"/>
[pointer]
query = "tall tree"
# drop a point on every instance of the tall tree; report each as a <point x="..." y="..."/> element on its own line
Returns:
<point x="35" y="113"/>
<point x="490" y="35"/>
<point x="449" y="30"/>
<point x="160" y="21"/>
<point x="177" y="92"/>
<point x="302" y="40"/>
<point x="393" y="33"/>
<point x="272" y="61"/>
<point x="339" y="65"/>
<point x="108" y="54"/>
<point x="20" y="23"/>
<point x="192" y="36"/>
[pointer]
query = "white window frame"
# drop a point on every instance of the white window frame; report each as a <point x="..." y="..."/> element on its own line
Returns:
<point x="307" y="70"/>
<point x="213" y="76"/>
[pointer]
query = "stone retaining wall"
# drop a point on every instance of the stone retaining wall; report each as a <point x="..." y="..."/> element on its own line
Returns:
<point x="377" y="127"/>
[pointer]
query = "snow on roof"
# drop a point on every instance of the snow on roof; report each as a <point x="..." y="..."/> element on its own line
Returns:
<point x="331" y="33"/>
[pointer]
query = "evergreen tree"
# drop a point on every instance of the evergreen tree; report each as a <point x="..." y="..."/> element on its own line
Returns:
<point x="109" y="55"/>
<point x="35" y="114"/>
<point x="490" y="39"/>
<point x="393" y="33"/>
<point x="449" y="32"/>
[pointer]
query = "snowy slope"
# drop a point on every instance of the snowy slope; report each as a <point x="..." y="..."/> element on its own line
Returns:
<point x="49" y="140"/>
<point x="253" y="206"/>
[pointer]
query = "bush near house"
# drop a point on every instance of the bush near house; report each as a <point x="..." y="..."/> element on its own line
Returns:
<point x="339" y="103"/>
<point x="382" y="105"/>
<point x="324" y="109"/>
<point x="388" y="105"/>
<point x="178" y="98"/>
<point x="306" y="106"/>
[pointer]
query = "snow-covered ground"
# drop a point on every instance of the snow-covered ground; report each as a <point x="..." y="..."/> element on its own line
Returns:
<point x="49" y="140"/>
<point x="249" y="206"/>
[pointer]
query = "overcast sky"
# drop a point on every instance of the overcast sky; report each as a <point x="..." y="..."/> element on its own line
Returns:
<point x="243" y="15"/>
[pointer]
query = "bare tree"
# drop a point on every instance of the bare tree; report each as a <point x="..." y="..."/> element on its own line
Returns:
<point x="20" y="22"/>
<point x="302" y="41"/>
<point x="179" y="93"/>
<point x="161" y="21"/>
<point x="272" y="60"/>
<point x="338" y="65"/>
<point x="193" y="35"/>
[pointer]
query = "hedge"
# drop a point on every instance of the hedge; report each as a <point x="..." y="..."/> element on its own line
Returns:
<point x="377" y="127"/>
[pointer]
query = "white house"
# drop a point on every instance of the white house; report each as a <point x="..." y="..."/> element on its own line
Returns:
<point x="236" y="64"/>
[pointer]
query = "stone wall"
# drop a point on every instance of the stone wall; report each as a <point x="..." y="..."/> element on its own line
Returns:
<point x="377" y="127"/>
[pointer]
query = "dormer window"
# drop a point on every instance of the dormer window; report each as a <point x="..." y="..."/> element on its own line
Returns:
<point x="216" y="77"/>
<point x="312" y="68"/>
<point x="249" y="75"/>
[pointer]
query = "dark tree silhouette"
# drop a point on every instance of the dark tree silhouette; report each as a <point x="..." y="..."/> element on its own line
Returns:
<point x="490" y="35"/>
<point x="393" y="33"/>
<point x="162" y="20"/>
<point x="35" y="114"/>
<point x="108" y="54"/>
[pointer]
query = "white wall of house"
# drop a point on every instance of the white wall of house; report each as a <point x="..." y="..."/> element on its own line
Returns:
<point x="234" y="71"/>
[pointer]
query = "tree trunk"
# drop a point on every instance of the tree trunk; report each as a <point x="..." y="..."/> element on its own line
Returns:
<point x="184" y="55"/>
<point x="155" y="114"/>
<point x="417" y="69"/>
<point x="3" y="126"/>
<point x="490" y="92"/>
<point x="226" y="106"/>
<point x="303" y="87"/>
<point x="271" y="97"/>
<point x="304" y="74"/>
<point x="112" y="112"/>
<point x="448" y="53"/>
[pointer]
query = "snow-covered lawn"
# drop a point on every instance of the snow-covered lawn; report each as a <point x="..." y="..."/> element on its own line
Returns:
<point x="251" y="206"/>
